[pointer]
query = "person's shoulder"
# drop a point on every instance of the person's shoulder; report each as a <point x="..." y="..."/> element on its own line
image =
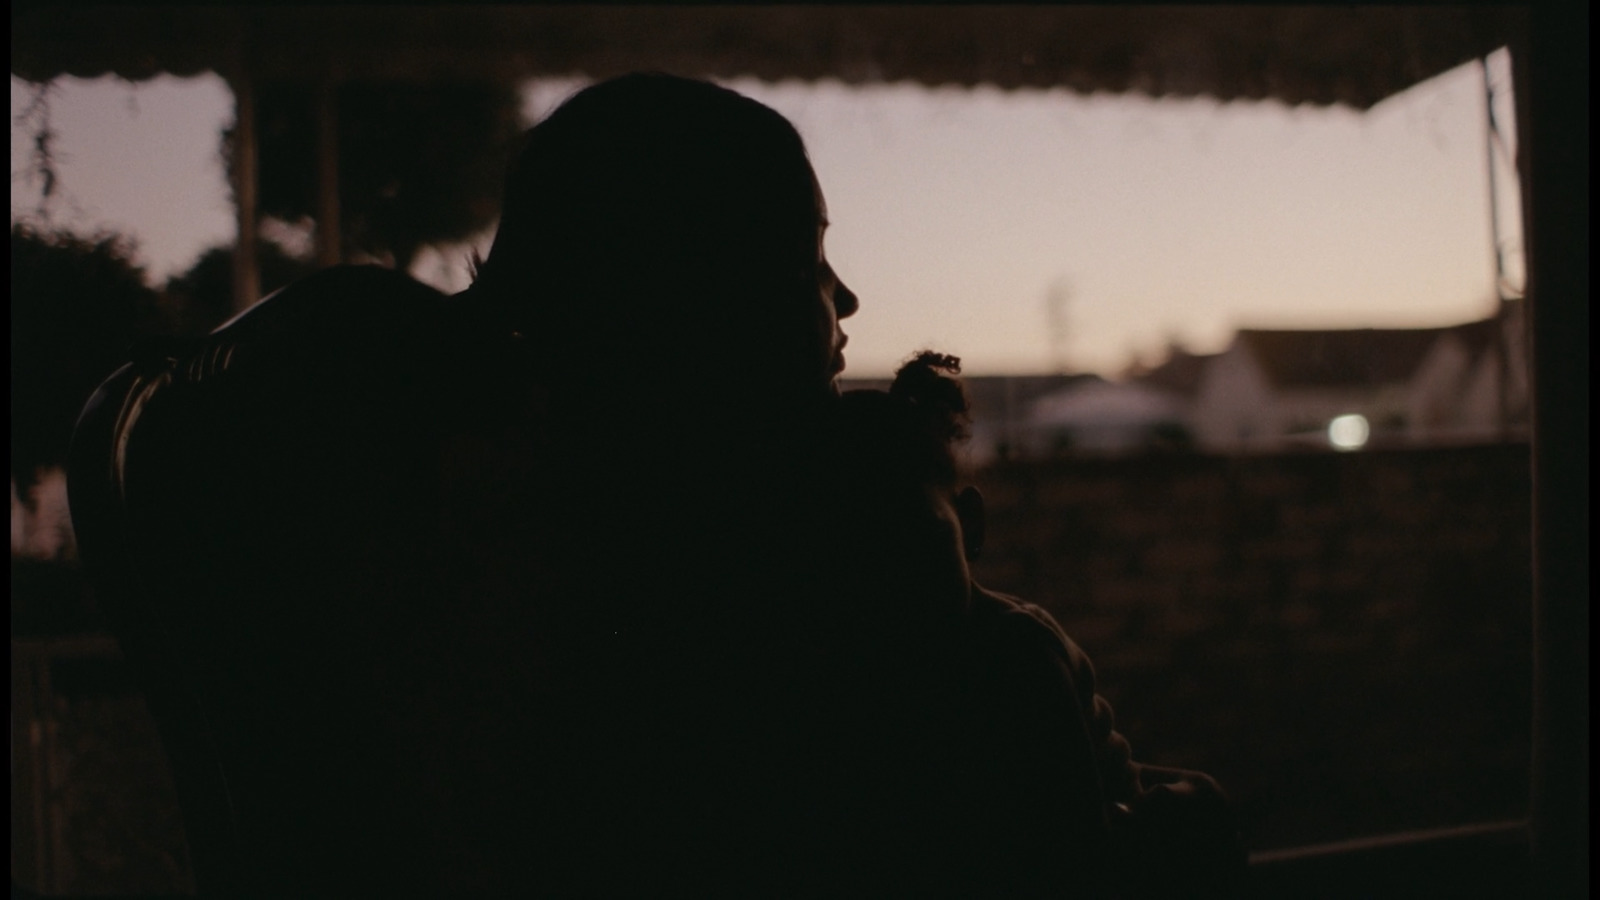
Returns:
<point x="360" y="279"/>
<point x="341" y="311"/>
<point x="356" y="290"/>
<point x="1018" y="624"/>
<point x="1004" y="611"/>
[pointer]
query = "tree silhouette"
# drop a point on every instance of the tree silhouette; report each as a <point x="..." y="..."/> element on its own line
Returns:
<point x="419" y="164"/>
<point x="77" y="305"/>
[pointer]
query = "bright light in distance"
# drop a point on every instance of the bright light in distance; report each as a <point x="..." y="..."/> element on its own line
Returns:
<point x="1348" y="432"/>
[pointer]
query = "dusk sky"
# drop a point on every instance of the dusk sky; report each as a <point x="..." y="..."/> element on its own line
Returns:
<point x="956" y="212"/>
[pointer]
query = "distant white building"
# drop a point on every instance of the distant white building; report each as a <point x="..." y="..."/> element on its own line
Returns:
<point x="1107" y="417"/>
<point x="1274" y="389"/>
<point x="1270" y="390"/>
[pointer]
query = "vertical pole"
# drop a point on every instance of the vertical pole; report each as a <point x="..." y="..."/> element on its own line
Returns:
<point x="1552" y="90"/>
<point x="246" y="277"/>
<point x="1501" y="319"/>
<point x="329" y="249"/>
<point x="1494" y="197"/>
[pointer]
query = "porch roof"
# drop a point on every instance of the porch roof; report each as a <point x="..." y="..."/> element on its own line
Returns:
<point x="1354" y="56"/>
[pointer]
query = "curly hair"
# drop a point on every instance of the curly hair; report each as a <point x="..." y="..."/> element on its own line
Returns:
<point x="911" y="430"/>
<point x="929" y="384"/>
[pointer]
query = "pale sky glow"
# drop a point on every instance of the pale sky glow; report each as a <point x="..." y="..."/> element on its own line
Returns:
<point x="954" y="210"/>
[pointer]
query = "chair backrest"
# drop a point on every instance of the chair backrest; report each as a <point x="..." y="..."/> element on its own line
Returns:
<point x="229" y="494"/>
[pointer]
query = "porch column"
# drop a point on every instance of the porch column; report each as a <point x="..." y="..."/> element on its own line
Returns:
<point x="246" y="274"/>
<point x="330" y="251"/>
<point x="1551" y="73"/>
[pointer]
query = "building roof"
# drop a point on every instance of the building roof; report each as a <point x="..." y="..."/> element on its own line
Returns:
<point x="1178" y="374"/>
<point x="1359" y="357"/>
<point x="1310" y="54"/>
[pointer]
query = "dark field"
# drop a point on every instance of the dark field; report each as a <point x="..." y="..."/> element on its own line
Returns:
<point x="1343" y="640"/>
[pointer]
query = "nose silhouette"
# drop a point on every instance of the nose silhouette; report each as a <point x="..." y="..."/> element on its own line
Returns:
<point x="845" y="302"/>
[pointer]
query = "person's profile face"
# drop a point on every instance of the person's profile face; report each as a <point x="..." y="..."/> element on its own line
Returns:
<point x="835" y="300"/>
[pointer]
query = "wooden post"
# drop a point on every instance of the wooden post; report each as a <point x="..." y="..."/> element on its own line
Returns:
<point x="329" y="246"/>
<point x="246" y="276"/>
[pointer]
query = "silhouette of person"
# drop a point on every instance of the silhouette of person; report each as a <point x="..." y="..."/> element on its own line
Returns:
<point x="459" y="595"/>
<point x="668" y="333"/>
<point x="539" y="589"/>
<point x="747" y="706"/>
<point x="1035" y="790"/>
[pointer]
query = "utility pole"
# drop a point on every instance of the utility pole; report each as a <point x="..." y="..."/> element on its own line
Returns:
<point x="1056" y="298"/>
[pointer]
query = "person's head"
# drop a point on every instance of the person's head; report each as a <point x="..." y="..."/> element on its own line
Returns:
<point x="665" y="225"/>
<point x="910" y="526"/>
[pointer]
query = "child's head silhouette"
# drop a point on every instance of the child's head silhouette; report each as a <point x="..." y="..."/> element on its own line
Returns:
<point x="910" y="527"/>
